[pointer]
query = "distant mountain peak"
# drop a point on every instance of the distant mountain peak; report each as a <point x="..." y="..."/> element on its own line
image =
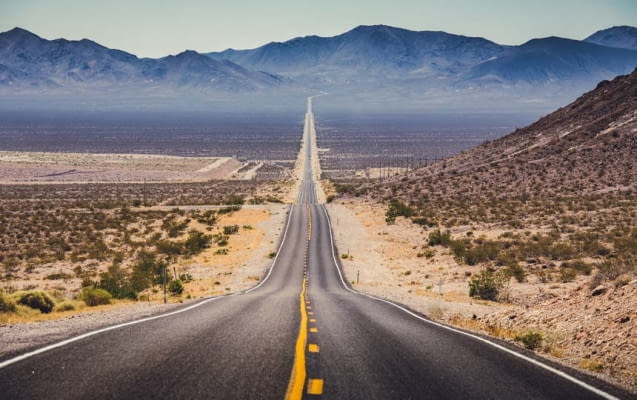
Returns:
<point x="18" y="33"/>
<point x="623" y="36"/>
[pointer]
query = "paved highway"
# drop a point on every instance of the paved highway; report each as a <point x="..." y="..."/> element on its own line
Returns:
<point x="301" y="333"/>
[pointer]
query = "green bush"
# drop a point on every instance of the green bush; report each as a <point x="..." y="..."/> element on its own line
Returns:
<point x="487" y="284"/>
<point x="197" y="242"/>
<point x="229" y="209"/>
<point x="397" y="209"/>
<point x="95" y="296"/>
<point x="579" y="266"/>
<point x="230" y="229"/>
<point x="65" y="306"/>
<point x="208" y="218"/>
<point x="531" y="340"/>
<point x="516" y="271"/>
<point x="6" y="304"/>
<point x="116" y="281"/>
<point x="37" y="300"/>
<point x="146" y="271"/>
<point x="175" y="287"/>
<point x="437" y="238"/>
<point x="169" y="248"/>
<point x="567" y="275"/>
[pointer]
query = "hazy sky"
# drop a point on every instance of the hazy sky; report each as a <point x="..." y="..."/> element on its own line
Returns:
<point x="154" y="28"/>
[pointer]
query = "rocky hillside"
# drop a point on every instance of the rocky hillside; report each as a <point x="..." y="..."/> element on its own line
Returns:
<point x="587" y="147"/>
<point x="546" y="217"/>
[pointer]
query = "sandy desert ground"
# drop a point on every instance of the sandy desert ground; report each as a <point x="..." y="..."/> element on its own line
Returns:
<point x="593" y="329"/>
<point x="40" y="167"/>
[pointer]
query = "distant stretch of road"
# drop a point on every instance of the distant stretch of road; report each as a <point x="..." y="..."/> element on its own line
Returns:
<point x="301" y="333"/>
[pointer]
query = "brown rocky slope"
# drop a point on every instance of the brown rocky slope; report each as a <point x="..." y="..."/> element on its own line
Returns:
<point x="553" y="207"/>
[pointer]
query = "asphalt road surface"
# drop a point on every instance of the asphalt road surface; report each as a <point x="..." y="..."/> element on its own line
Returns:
<point x="301" y="333"/>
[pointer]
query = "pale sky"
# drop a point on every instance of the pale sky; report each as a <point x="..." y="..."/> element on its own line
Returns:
<point x="155" y="28"/>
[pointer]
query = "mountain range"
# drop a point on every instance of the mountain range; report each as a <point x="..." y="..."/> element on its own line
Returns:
<point x="369" y="66"/>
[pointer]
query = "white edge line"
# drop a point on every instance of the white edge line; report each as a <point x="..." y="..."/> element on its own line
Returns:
<point x="44" y="349"/>
<point x="278" y="251"/>
<point x="562" y="374"/>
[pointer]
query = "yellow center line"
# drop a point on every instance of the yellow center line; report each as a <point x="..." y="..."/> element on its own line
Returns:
<point x="315" y="386"/>
<point x="297" y="378"/>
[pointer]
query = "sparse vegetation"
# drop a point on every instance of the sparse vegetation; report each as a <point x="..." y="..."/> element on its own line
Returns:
<point x="7" y="305"/>
<point x="487" y="284"/>
<point x="175" y="287"/>
<point x="95" y="296"/>
<point x="531" y="340"/>
<point x="37" y="300"/>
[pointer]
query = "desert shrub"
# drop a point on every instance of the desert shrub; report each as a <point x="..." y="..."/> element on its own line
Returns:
<point x="330" y="198"/>
<point x="234" y="199"/>
<point x="37" y="300"/>
<point x="116" y="281"/>
<point x="95" y="296"/>
<point x="65" y="306"/>
<point x="531" y="340"/>
<point x="175" y="287"/>
<point x="567" y="275"/>
<point x="487" y="284"/>
<point x="516" y="271"/>
<point x="6" y="304"/>
<point x="230" y="229"/>
<point x="615" y="267"/>
<point x="169" y="248"/>
<point x="208" y="218"/>
<point x="579" y="266"/>
<point x="220" y="239"/>
<point x="274" y="199"/>
<point x="174" y="228"/>
<point x="146" y="271"/>
<point x="221" y="252"/>
<point x="397" y="209"/>
<point x="272" y="254"/>
<point x="423" y="221"/>
<point x="59" y="275"/>
<point x="342" y="188"/>
<point x="438" y="238"/>
<point x="185" y="278"/>
<point x="229" y="209"/>
<point x="197" y="242"/>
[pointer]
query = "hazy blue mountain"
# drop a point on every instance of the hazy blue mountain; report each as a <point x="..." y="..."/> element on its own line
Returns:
<point x="28" y="61"/>
<point x="554" y="60"/>
<point x="366" y="51"/>
<point x="382" y="66"/>
<point x="624" y="37"/>
<point x="369" y="67"/>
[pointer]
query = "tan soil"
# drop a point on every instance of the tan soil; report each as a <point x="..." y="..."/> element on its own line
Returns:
<point x="591" y="333"/>
<point x="41" y="167"/>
